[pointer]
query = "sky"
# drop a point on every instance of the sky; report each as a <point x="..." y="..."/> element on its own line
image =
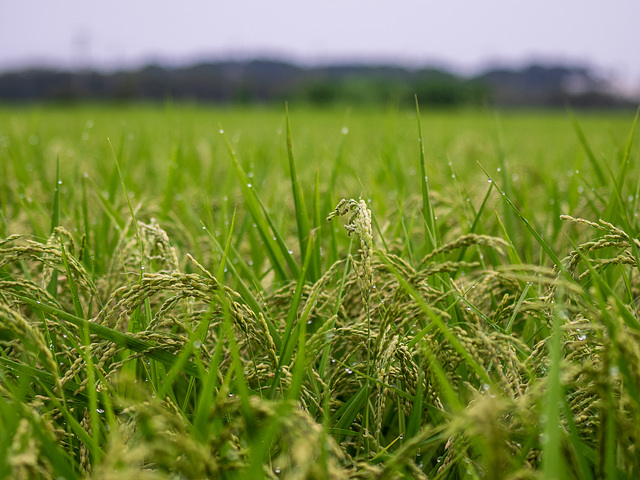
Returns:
<point x="465" y="36"/>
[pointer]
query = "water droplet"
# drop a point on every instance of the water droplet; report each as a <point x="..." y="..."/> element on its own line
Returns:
<point x="221" y="131"/>
<point x="197" y="344"/>
<point x="489" y="181"/>
<point x="345" y="130"/>
<point x="249" y="185"/>
<point x="99" y="410"/>
<point x="250" y="174"/>
<point x="290" y="252"/>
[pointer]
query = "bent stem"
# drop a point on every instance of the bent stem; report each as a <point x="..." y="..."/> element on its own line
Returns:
<point x="360" y="222"/>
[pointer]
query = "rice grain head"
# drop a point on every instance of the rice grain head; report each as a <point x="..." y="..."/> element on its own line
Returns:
<point x="359" y="222"/>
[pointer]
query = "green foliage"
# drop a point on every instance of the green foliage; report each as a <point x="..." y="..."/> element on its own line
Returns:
<point x="191" y="314"/>
<point x="434" y="89"/>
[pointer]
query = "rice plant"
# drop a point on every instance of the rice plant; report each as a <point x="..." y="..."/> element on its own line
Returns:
<point x="175" y="305"/>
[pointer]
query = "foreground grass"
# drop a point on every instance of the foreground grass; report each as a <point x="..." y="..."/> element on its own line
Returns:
<point x="174" y="303"/>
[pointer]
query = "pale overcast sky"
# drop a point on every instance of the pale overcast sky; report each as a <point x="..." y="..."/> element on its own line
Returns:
<point x="461" y="34"/>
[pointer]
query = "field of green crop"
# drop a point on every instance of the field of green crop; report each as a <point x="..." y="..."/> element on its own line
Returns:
<point x="192" y="293"/>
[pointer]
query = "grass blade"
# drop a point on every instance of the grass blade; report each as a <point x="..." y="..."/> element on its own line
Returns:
<point x="133" y="215"/>
<point x="264" y="224"/>
<point x="289" y="336"/>
<point x="553" y="465"/>
<point x="317" y="227"/>
<point x="531" y="230"/>
<point x="587" y="149"/>
<point x="616" y="207"/>
<point x="52" y="287"/>
<point x="302" y="219"/>
<point x="431" y="228"/>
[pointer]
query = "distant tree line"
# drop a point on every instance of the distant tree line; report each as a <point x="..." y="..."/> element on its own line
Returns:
<point x="262" y="81"/>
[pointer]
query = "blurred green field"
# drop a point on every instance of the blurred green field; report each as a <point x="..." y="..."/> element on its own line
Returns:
<point x="177" y="167"/>
<point x="175" y="305"/>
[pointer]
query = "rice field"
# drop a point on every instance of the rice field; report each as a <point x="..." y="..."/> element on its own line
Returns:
<point x="191" y="293"/>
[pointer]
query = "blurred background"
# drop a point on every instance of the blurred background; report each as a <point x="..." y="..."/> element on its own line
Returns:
<point x="455" y="53"/>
